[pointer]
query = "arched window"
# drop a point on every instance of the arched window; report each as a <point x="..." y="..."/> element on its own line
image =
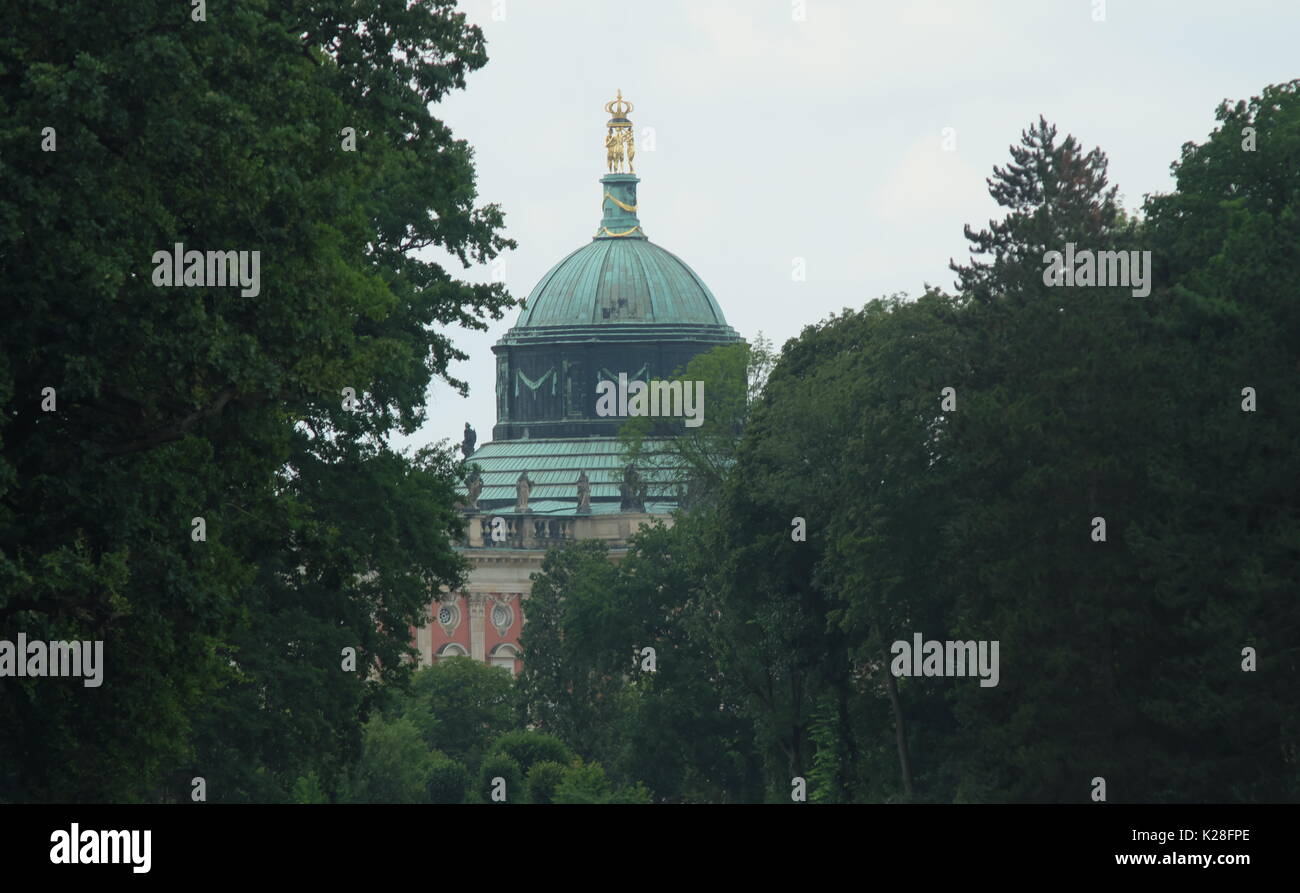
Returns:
<point x="451" y="649"/>
<point x="504" y="655"/>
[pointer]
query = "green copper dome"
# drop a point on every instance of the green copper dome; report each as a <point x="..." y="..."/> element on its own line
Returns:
<point x="620" y="277"/>
<point x="620" y="281"/>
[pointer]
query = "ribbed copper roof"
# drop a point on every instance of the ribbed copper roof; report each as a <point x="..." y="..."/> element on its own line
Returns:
<point x="620" y="281"/>
<point x="553" y="466"/>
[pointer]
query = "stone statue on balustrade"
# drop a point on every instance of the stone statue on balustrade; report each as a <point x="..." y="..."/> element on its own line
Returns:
<point x="584" y="494"/>
<point x="523" y="488"/>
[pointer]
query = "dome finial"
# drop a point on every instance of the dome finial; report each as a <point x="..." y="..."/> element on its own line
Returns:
<point x="620" y="146"/>
<point x="618" y="107"/>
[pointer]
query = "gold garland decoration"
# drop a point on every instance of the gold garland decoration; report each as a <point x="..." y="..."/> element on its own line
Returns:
<point x="625" y="232"/>
<point x="620" y="204"/>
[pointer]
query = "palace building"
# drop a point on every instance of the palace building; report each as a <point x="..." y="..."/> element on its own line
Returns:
<point x="554" y="470"/>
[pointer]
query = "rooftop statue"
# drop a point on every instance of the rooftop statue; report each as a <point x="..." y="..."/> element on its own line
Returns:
<point x="523" y="487"/>
<point x="620" y="143"/>
<point x="632" y="491"/>
<point x="475" y="489"/>
<point x="584" y="494"/>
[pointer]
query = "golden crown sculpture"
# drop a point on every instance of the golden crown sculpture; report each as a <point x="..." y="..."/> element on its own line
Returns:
<point x="618" y="108"/>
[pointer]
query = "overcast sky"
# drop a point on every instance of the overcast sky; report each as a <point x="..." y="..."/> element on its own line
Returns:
<point x="821" y="139"/>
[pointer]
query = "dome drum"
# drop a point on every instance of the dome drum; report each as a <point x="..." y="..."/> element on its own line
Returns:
<point x="548" y="389"/>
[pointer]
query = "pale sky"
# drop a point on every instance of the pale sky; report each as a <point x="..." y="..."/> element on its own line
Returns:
<point x="820" y="139"/>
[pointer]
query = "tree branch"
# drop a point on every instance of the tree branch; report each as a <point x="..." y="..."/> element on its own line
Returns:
<point x="176" y="431"/>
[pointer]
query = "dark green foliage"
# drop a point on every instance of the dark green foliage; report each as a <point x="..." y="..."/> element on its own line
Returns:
<point x="1223" y="553"/>
<point x="223" y="657"/>
<point x="460" y="706"/>
<point x="528" y="748"/>
<point x="583" y="680"/>
<point x="543" y="779"/>
<point x="395" y="766"/>
<point x="587" y="783"/>
<point x="562" y="696"/>
<point x="448" y="781"/>
<point x="500" y="766"/>
<point x="308" y="789"/>
<point x="733" y="376"/>
<point x="583" y="784"/>
<point x="630" y="795"/>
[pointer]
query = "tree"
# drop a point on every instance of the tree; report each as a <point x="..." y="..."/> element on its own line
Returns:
<point x="395" y="765"/>
<point x="587" y="783"/>
<point x="308" y="789"/>
<point x="528" y="748"/>
<point x="543" y="779"/>
<point x="172" y="404"/>
<point x="563" y="693"/>
<point x="1053" y="193"/>
<point x="1221" y="550"/>
<point x="697" y="459"/>
<point x="501" y="780"/>
<point x="461" y="706"/>
<point x="448" y="780"/>
<point x="588" y="677"/>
